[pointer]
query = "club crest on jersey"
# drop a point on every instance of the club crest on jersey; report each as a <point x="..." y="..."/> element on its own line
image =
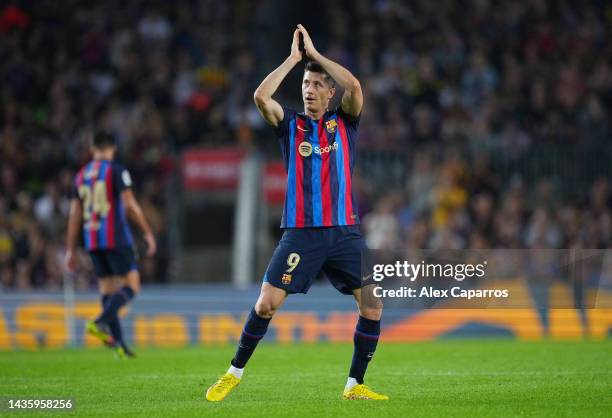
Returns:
<point x="331" y="126"/>
<point x="286" y="279"/>
<point x="305" y="149"/>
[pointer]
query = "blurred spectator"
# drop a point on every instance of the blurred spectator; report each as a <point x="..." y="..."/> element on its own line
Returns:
<point x="380" y="226"/>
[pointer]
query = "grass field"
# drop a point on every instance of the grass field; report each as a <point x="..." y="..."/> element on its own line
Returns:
<point x="446" y="378"/>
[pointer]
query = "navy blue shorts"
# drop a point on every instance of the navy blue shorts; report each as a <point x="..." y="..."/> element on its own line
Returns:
<point x="303" y="253"/>
<point x="113" y="262"/>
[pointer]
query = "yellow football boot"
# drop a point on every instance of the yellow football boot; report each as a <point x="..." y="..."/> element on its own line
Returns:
<point x="363" y="392"/>
<point x="222" y="387"/>
<point x="101" y="332"/>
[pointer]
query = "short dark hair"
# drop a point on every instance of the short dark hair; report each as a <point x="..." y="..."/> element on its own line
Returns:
<point x="103" y="139"/>
<point x="315" y="67"/>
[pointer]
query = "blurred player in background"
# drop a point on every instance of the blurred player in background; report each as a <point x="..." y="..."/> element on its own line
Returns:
<point x="102" y="197"/>
<point x="320" y="216"/>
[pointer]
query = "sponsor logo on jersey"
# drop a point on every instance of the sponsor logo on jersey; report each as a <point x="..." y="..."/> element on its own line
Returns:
<point x="326" y="150"/>
<point x="305" y="149"/>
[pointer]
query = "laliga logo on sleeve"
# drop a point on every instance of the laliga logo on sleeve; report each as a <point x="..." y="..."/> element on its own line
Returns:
<point x="305" y="149"/>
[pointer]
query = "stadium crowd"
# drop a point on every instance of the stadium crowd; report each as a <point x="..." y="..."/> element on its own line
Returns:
<point x="452" y="207"/>
<point x="482" y="77"/>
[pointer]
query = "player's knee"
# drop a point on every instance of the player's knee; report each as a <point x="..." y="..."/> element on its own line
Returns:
<point x="132" y="280"/>
<point x="107" y="286"/>
<point x="264" y="309"/>
<point x="371" y="313"/>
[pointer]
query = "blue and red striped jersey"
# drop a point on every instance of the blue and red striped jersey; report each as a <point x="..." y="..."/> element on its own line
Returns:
<point x="98" y="185"/>
<point x="319" y="157"/>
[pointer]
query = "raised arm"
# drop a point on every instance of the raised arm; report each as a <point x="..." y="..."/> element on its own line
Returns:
<point x="269" y="108"/>
<point x="352" y="99"/>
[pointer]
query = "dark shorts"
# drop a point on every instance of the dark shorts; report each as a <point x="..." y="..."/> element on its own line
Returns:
<point x="302" y="254"/>
<point x="113" y="262"/>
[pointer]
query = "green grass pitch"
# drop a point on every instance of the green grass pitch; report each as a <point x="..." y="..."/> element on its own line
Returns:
<point x="444" y="378"/>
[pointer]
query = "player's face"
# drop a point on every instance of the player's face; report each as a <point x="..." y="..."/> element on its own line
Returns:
<point x="316" y="92"/>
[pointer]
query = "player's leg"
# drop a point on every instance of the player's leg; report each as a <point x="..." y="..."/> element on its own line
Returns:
<point x="367" y="332"/>
<point x="292" y="268"/>
<point x="294" y="264"/>
<point x="132" y="279"/>
<point x="128" y="288"/>
<point x="107" y="287"/>
<point x="365" y="340"/>
<point x="270" y="300"/>
<point x="127" y="284"/>
<point x="99" y="329"/>
<point x="343" y="268"/>
<point x="124" y="294"/>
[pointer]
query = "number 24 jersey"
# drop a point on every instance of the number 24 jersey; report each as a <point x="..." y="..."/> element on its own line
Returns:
<point x="98" y="185"/>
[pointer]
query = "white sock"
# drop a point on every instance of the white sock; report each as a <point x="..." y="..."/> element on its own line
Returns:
<point x="236" y="371"/>
<point x="350" y="383"/>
